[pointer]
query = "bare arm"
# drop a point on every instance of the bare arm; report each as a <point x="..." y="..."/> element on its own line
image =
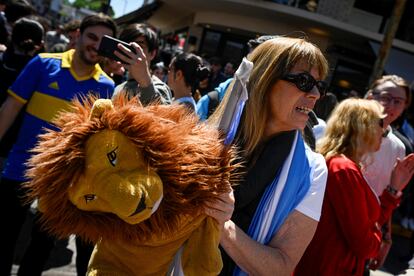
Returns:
<point x="8" y="113"/>
<point x="282" y="254"/>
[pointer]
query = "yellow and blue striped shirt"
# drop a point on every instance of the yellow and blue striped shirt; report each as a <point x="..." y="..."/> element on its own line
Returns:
<point x="47" y="85"/>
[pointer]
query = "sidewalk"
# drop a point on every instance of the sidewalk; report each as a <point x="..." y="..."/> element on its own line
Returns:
<point x="62" y="259"/>
<point x="398" y="257"/>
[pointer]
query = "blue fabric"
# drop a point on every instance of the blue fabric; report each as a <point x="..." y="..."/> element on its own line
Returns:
<point x="408" y="131"/>
<point x="296" y="186"/>
<point x="188" y="99"/>
<point x="47" y="75"/>
<point x="202" y="104"/>
<point x="234" y="123"/>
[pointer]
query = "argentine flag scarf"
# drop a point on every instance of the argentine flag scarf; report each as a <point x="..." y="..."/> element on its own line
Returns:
<point x="282" y="196"/>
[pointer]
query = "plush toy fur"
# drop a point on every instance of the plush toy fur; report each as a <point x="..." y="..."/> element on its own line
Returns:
<point x="189" y="159"/>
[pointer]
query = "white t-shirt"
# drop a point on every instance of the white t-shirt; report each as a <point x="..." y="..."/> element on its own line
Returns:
<point x="311" y="204"/>
<point x="319" y="129"/>
<point x="378" y="166"/>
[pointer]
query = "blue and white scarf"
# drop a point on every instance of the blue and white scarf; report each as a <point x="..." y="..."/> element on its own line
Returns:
<point x="281" y="197"/>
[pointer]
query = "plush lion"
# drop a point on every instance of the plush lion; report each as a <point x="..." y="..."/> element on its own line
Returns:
<point x="134" y="180"/>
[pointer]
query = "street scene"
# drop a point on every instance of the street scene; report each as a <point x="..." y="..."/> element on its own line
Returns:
<point x="220" y="137"/>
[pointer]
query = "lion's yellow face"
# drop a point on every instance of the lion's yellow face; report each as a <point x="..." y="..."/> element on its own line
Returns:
<point x="116" y="179"/>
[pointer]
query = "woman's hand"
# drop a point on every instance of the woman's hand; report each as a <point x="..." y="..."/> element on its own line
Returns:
<point x="136" y="63"/>
<point x="402" y="172"/>
<point x="222" y="208"/>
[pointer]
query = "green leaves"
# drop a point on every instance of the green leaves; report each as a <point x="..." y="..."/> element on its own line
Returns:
<point x="94" y="5"/>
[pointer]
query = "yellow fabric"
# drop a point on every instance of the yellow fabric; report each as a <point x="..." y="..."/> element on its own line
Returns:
<point x="201" y="255"/>
<point x="208" y="260"/>
<point x="46" y="107"/>
<point x="67" y="58"/>
<point x="99" y="107"/>
<point x="17" y="97"/>
<point x="54" y="85"/>
<point x="116" y="179"/>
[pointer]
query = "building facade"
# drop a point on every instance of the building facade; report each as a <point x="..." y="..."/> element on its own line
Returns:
<point x="350" y="32"/>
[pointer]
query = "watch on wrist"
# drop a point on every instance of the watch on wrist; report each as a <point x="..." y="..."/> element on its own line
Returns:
<point x="393" y="191"/>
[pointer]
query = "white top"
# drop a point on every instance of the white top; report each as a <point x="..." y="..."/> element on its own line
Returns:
<point x="378" y="166"/>
<point x="311" y="204"/>
<point x="319" y="129"/>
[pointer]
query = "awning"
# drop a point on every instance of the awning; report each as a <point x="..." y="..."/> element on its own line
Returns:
<point x="399" y="62"/>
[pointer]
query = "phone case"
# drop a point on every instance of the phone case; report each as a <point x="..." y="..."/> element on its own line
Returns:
<point x="109" y="44"/>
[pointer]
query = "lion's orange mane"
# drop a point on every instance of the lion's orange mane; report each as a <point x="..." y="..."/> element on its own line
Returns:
<point x="192" y="164"/>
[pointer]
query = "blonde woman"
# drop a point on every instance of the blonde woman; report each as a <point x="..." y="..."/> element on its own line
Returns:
<point x="278" y="203"/>
<point x="349" y="232"/>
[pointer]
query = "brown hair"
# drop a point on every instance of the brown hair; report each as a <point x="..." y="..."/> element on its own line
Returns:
<point x="271" y="61"/>
<point x="397" y="80"/>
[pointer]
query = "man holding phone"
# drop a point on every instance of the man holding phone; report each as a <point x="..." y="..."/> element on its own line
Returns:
<point x="45" y="87"/>
<point x="148" y="87"/>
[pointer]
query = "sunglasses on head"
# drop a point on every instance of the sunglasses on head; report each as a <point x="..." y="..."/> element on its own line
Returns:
<point x="305" y="82"/>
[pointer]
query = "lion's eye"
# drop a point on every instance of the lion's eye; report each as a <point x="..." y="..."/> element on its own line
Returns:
<point x="112" y="157"/>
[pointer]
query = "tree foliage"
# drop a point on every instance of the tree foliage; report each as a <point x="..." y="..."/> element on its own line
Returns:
<point x="94" y="5"/>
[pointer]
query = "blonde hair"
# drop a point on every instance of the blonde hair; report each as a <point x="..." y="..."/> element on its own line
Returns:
<point x="272" y="60"/>
<point x="350" y="128"/>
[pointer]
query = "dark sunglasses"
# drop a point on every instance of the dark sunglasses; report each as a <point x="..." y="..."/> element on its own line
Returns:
<point x="305" y="82"/>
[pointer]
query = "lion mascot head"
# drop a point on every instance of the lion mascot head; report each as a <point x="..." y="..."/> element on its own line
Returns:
<point x="134" y="180"/>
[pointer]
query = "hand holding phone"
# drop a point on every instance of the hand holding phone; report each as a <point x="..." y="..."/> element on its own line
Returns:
<point x="131" y="55"/>
<point x="109" y="45"/>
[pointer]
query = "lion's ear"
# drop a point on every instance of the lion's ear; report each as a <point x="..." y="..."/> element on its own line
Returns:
<point x="99" y="106"/>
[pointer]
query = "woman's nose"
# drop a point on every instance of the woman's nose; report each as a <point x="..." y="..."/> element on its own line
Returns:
<point x="314" y="93"/>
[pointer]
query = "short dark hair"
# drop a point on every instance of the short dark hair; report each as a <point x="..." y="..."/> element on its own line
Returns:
<point x="26" y="34"/>
<point x="17" y="9"/>
<point x="96" y="20"/>
<point x="133" y="31"/>
<point x="72" y="26"/>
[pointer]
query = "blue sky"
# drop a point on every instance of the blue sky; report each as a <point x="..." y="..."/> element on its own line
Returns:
<point x="122" y="7"/>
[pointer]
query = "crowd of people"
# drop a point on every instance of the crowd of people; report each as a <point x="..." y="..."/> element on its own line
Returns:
<point x="321" y="179"/>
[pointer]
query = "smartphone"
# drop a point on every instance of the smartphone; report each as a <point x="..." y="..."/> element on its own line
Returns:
<point x="109" y="44"/>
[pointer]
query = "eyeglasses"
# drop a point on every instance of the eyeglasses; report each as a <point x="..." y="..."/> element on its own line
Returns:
<point x="305" y="82"/>
<point x="387" y="99"/>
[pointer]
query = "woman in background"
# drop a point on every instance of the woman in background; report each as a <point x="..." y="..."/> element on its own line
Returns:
<point x="349" y="231"/>
<point x="184" y="73"/>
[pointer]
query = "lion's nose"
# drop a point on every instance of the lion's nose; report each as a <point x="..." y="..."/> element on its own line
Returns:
<point x="89" y="197"/>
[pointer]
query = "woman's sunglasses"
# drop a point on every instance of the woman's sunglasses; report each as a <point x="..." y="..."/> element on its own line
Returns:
<point x="305" y="82"/>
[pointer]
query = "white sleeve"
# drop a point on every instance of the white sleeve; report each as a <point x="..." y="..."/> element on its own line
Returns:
<point x="311" y="204"/>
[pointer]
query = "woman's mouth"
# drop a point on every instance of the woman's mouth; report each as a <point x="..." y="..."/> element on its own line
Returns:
<point x="303" y="109"/>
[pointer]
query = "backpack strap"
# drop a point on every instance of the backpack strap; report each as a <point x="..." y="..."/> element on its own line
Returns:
<point x="213" y="102"/>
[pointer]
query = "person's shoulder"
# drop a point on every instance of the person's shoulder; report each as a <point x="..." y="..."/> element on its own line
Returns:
<point x="120" y="87"/>
<point x="105" y="79"/>
<point x="316" y="160"/>
<point x="406" y="142"/>
<point x="394" y="141"/>
<point x="339" y="163"/>
<point x="203" y="101"/>
<point x="222" y="88"/>
<point x="50" y="58"/>
<point x="157" y="82"/>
